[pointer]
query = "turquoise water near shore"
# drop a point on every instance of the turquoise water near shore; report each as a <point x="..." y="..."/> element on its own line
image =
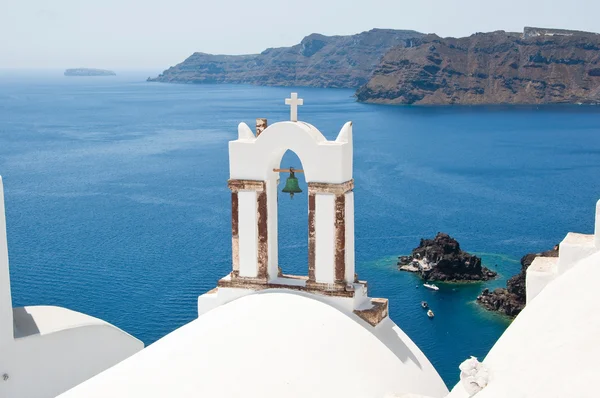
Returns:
<point x="118" y="206"/>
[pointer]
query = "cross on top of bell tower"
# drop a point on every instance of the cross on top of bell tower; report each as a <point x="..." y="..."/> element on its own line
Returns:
<point x="293" y="102"/>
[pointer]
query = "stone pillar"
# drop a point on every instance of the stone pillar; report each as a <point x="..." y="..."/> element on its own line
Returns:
<point x="261" y="125"/>
<point x="272" y="198"/>
<point x="330" y="235"/>
<point x="340" y="238"/>
<point x="249" y="230"/>
<point x="235" y="238"/>
<point x="349" y="227"/>
<point x="325" y="238"/>
<point x="311" y="236"/>
<point x="263" y="235"/>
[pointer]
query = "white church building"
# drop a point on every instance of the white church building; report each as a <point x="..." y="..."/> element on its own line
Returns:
<point x="262" y="333"/>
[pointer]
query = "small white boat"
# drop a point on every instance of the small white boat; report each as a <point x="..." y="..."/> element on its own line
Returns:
<point x="424" y="304"/>
<point x="430" y="313"/>
<point x="432" y="286"/>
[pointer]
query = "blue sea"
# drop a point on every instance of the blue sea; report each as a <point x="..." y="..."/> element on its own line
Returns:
<point x="117" y="202"/>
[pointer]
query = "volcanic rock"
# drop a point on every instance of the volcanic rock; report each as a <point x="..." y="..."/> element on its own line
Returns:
<point x="539" y="66"/>
<point x="441" y="259"/>
<point x="511" y="301"/>
<point x="317" y="61"/>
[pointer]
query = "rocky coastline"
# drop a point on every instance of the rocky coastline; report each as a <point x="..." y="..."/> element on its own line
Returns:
<point x="511" y="300"/>
<point x="441" y="259"/>
<point x="536" y="66"/>
<point x="317" y="61"/>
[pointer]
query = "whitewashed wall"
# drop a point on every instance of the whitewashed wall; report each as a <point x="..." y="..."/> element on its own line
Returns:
<point x="325" y="238"/>
<point x="252" y="158"/>
<point x="6" y="320"/>
<point x="573" y="248"/>
<point x="45" y="365"/>
<point x="273" y="264"/>
<point x="350" y="268"/>
<point x="248" y="233"/>
<point x="540" y="273"/>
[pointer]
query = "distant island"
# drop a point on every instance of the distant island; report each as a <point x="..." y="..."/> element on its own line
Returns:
<point x="511" y="301"/>
<point x="89" y="72"/>
<point x="441" y="259"/>
<point x="537" y="66"/>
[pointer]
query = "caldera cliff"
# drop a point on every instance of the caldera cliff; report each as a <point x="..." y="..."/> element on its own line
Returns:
<point x="317" y="61"/>
<point x="538" y="66"/>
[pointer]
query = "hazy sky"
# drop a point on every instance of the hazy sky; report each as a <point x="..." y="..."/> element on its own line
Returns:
<point x="130" y="34"/>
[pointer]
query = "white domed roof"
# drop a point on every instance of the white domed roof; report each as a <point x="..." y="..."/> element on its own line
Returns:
<point x="551" y="349"/>
<point x="272" y="344"/>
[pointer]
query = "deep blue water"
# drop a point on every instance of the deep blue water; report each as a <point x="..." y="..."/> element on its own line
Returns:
<point x="118" y="206"/>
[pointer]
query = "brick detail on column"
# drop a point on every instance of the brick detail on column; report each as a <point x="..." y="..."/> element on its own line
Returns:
<point x="340" y="238"/>
<point x="246" y="185"/>
<point x="335" y="189"/>
<point x="377" y="313"/>
<point x="235" y="238"/>
<point x="263" y="234"/>
<point x="339" y="190"/>
<point x="311" y="237"/>
<point x="261" y="125"/>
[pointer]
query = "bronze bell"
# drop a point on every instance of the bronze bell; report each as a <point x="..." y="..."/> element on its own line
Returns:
<point x="291" y="185"/>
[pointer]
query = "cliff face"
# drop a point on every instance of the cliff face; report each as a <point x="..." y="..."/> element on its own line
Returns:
<point x="511" y="301"/>
<point x="537" y="67"/>
<point x="318" y="61"/>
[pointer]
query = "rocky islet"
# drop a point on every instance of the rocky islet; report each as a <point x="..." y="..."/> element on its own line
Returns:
<point x="441" y="259"/>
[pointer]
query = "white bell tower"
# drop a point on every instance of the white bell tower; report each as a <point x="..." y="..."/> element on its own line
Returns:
<point x="254" y="165"/>
<point x="254" y="162"/>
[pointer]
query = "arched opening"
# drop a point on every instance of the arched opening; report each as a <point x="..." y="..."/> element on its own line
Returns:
<point x="292" y="220"/>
